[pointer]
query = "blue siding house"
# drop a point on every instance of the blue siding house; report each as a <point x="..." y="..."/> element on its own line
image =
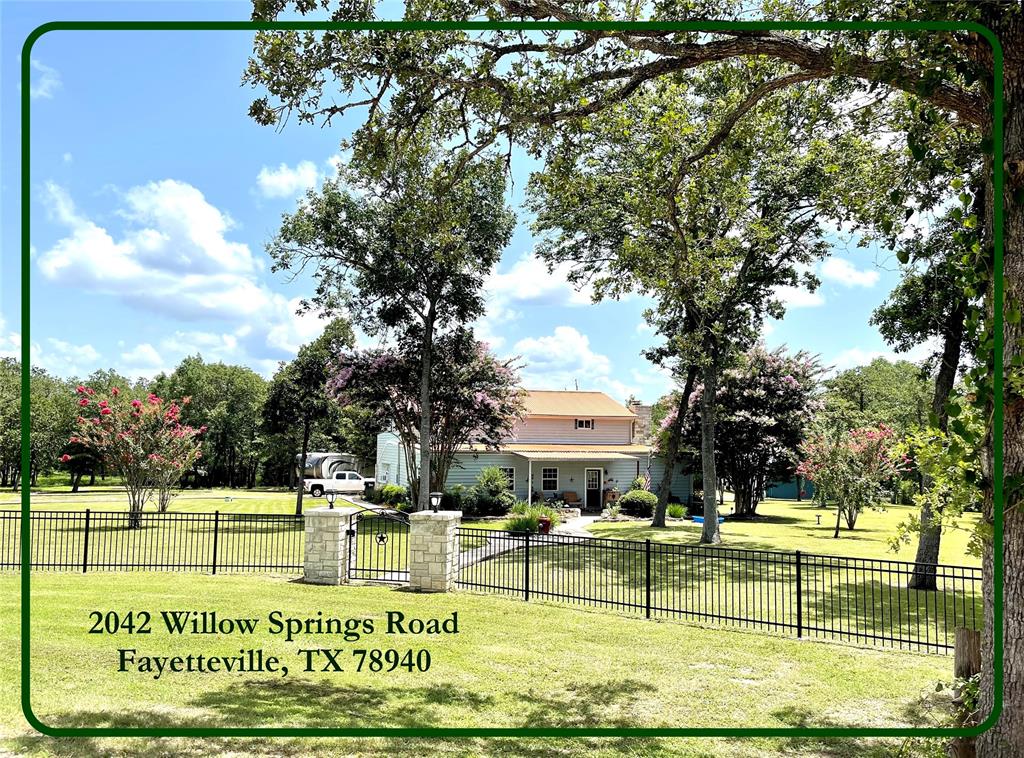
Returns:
<point x="579" y="447"/>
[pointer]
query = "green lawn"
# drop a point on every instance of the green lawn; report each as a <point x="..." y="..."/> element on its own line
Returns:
<point x="512" y="664"/>
<point x="787" y="525"/>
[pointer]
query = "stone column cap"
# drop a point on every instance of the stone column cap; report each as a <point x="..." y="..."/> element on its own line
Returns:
<point x="340" y="512"/>
<point x="432" y="516"/>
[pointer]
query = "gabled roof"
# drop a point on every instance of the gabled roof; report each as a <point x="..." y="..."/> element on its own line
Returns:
<point x="574" y="403"/>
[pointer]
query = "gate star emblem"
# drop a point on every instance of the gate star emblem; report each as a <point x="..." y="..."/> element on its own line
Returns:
<point x="382" y="538"/>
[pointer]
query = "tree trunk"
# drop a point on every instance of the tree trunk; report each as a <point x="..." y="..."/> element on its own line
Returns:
<point x="928" y="543"/>
<point x="76" y="479"/>
<point x="92" y="478"/>
<point x="423" y="495"/>
<point x="675" y="435"/>
<point x="302" y="466"/>
<point x="710" y="534"/>
<point x="1007" y="736"/>
<point x="839" y="516"/>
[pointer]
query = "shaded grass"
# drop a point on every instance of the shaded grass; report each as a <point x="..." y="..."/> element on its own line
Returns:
<point x="561" y="667"/>
<point x="787" y="525"/>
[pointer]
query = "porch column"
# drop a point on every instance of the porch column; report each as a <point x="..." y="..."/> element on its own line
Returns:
<point x="529" y="480"/>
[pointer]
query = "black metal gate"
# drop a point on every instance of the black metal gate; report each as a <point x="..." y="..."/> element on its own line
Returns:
<point x="378" y="546"/>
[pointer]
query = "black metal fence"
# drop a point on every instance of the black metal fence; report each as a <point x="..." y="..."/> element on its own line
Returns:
<point x="856" y="599"/>
<point x="102" y="541"/>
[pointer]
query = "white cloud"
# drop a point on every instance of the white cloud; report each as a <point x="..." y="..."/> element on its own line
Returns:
<point x="644" y="328"/>
<point x="799" y="297"/>
<point x="528" y="282"/>
<point x="45" y="80"/>
<point x="10" y="342"/>
<point x="173" y="257"/>
<point x="65" y="358"/>
<point x="68" y="157"/>
<point x="142" y="354"/>
<point x="842" y="271"/>
<point x="285" y="181"/>
<point x="564" y="359"/>
<point x="855" y="356"/>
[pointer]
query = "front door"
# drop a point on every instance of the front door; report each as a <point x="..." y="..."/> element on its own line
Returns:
<point x="593" y="498"/>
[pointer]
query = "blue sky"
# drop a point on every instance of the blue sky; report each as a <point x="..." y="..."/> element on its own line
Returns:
<point x="153" y="195"/>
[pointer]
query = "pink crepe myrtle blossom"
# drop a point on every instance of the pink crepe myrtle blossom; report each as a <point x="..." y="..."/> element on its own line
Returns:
<point x="105" y="411"/>
<point x="65" y="458"/>
<point x="115" y="391"/>
<point x="83" y="402"/>
<point x="80" y="389"/>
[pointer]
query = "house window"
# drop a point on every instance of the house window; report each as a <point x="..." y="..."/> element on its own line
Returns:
<point x="510" y="474"/>
<point x="584" y="423"/>
<point x="549" y="479"/>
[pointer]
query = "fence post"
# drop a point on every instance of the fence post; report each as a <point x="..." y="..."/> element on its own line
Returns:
<point x="526" y="569"/>
<point x="85" y="547"/>
<point x="799" y="599"/>
<point x="647" y="551"/>
<point x="216" y="524"/>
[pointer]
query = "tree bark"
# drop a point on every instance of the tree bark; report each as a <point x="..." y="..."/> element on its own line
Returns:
<point x="710" y="534"/>
<point x="306" y="423"/>
<point x="929" y="540"/>
<point x="675" y="435"/>
<point x="1007" y="736"/>
<point x="423" y="496"/>
<point x="76" y="479"/>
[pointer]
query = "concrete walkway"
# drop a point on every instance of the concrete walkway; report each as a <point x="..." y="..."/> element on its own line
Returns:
<point x="576" y="527"/>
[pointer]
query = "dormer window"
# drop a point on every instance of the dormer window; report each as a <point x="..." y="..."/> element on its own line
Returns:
<point x="584" y="423"/>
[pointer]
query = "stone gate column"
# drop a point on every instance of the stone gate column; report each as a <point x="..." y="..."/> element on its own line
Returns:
<point x="433" y="550"/>
<point x="327" y="544"/>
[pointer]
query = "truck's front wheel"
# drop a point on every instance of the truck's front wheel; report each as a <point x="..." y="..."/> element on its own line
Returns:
<point x="316" y="490"/>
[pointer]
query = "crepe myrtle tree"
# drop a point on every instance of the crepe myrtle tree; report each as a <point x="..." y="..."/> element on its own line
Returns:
<point x="404" y="248"/>
<point x="475" y="398"/>
<point x="851" y="469"/>
<point x="764" y="405"/>
<point x="142" y="441"/>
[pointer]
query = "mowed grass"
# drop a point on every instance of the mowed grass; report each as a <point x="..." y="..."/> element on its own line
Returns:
<point x="560" y="667"/>
<point x="787" y="525"/>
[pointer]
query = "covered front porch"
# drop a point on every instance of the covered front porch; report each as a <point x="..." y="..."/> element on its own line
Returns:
<point x="585" y="479"/>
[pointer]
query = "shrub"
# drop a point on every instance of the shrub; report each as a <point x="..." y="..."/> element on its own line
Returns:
<point x="526" y="517"/>
<point x="613" y="511"/>
<point x="491" y="493"/>
<point x="459" y="498"/>
<point x="638" y="503"/>
<point x="392" y="495"/>
<point x="676" y="510"/>
<point x="638" y="484"/>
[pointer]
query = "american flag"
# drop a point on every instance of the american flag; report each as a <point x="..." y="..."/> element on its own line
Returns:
<point x="647" y="478"/>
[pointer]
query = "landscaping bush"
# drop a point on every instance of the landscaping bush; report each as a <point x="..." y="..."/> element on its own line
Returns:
<point x="459" y="498"/>
<point x="638" y="503"/>
<point x="526" y="518"/>
<point x="392" y="495"/>
<point x="492" y="495"/>
<point x="638" y="484"/>
<point x="676" y="510"/>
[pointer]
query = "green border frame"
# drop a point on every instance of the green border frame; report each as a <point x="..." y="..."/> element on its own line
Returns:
<point x="711" y="25"/>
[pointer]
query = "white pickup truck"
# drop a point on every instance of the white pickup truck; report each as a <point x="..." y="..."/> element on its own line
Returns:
<point x="341" y="481"/>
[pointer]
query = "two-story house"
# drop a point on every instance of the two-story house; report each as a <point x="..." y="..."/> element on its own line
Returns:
<point x="571" y="445"/>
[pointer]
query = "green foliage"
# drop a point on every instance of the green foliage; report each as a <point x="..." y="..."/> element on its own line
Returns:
<point x="676" y="510"/>
<point x="229" y="400"/>
<point x="392" y="495"/>
<point x="895" y="393"/>
<point x="526" y="518"/>
<point x="850" y="469"/>
<point x="765" y="405"/>
<point x="639" y="483"/>
<point x="950" y="462"/>
<point x="638" y="503"/>
<point x="492" y="496"/>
